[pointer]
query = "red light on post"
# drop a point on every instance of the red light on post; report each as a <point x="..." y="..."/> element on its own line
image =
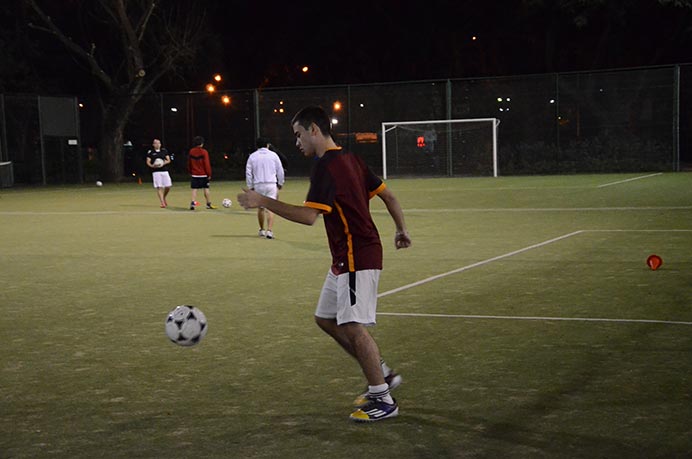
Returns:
<point x="420" y="141"/>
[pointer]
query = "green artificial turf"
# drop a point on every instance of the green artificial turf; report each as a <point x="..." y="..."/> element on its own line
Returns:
<point x="523" y="319"/>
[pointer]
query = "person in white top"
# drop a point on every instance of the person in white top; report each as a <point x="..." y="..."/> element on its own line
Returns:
<point x="264" y="173"/>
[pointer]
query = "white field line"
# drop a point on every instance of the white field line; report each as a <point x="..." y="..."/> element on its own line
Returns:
<point x="475" y="265"/>
<point x="541" y="244"/>
<point x="114" y="212"/>
<point x="638" y="231"/>
<point x="377" y="211"/>
<point x="540" y="209"/>
<point x="629" y="180"/>
<point x="570" y="319"/>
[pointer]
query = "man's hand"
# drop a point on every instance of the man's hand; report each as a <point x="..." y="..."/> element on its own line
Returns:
<point x="402" y="240"/>
<point x="249" y="199"/>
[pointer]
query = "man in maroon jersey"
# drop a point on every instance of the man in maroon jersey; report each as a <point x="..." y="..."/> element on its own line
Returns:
<point x="341" y="186"/>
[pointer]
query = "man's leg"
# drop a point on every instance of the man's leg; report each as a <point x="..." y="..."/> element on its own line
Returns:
<point x="194" y="199"/>
<point x="330" y="327"/>
<point x="379" y="404"/>
<point x="260" y="217"/>
<point x="159" y="192"/>
<point x="270" y="220"/>
<point x="356" y="341"/>
<point x="354" y="338"/>
<point x="366" y="352"/>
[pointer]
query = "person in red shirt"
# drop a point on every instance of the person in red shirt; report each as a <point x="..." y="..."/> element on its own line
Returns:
<point x="341" y="186"/>
<point x="200" y="170"/>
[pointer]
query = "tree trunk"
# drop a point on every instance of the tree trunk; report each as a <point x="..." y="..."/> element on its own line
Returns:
<point x="110" y="144"/>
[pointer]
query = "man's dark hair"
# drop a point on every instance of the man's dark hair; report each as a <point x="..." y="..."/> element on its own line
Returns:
<point x="262" y="142"/>
<point x="197" y="141"/>
<point x="313" y="114"/>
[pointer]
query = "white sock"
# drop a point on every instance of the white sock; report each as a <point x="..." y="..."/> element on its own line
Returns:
<point x="386" y="371"/>
<point x="382" y="392"/>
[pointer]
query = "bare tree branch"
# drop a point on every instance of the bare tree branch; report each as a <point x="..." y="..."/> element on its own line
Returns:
<point x="89" y="57"/>
<point x="144" y="43"/>
<point x="142" y="26"/>
<point x="131" y="42"/>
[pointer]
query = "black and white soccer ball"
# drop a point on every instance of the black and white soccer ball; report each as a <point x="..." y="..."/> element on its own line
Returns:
<point x="226" y="203"/>
<point x="186" y="325"/>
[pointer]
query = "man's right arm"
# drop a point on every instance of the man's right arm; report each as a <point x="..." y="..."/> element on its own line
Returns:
<point x="250" y="199"/>
<point x="248" y="174"/>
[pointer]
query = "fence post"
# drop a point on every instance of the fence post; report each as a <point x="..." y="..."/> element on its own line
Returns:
<point x="676" y="118"/>
<point x="257" y="113"/>
<point x="40" y="135"/>
<point x="450" y="153"/>
<point x="4" y="154"/>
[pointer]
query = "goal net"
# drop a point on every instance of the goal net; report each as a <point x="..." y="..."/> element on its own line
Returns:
<point x="465" y="147"/>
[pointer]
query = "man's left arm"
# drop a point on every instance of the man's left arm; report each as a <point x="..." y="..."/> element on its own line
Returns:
<point x="207" y="165"/>
<point x="401" y="238"/>
<point x="280" y="178"/>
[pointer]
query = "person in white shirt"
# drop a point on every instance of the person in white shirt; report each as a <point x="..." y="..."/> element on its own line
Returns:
<point x="264" y="173"/>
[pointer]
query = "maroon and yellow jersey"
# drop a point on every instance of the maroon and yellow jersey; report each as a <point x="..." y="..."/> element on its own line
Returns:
<point x="341" y="186"/>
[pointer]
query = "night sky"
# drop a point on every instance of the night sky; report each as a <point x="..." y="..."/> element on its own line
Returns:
<point x="361" y="42"/>
<point x="257" y="44"/>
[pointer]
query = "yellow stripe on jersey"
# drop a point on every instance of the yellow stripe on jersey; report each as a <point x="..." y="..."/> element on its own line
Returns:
<point x="316" y="205"/>
<point x="349" y="238"/>
<point x="377" y="190"/>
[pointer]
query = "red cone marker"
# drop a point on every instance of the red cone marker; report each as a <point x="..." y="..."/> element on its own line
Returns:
<point x="654" y="262"/>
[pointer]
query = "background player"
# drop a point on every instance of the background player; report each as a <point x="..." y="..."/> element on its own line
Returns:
<point x="199" y="166"/>
<point x="159" y="175"/>
<point x="264" y="173"/>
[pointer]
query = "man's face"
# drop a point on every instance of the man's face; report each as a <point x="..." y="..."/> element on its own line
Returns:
<point x="304" y="139"/>
<point x="156" y="144"/>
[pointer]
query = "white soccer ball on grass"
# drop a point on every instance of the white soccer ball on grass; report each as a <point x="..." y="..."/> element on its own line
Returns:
<point x="186" y="325"/>
<point x="226" y="203"/>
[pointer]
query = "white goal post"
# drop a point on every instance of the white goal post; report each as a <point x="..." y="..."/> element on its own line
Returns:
<point x="460" y="147"/>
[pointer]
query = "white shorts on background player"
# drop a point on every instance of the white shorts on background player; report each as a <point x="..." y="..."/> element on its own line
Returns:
<point x="161" y="179"/>
<point x="335" y="298"/>
<point x="269" y="190"/>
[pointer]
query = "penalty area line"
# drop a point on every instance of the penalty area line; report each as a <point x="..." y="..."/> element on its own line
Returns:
<point x="564" y="319"/>
<point x="476" y="265"/>
<point x="629" y="180"/>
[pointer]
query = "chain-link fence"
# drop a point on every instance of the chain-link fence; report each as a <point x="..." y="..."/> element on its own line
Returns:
<point x="39" y="139"/>
<point x="606" y="121"/>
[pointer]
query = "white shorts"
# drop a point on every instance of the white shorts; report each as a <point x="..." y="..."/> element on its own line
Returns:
<point x="161" y="179"/>
<point x="349" y="297"/>
<point x="269" y="190"/>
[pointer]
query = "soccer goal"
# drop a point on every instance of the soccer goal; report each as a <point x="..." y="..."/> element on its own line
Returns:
<point x="465" y="147"/>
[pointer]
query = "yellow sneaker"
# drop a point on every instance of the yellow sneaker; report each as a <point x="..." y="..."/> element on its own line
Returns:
<point x="375" y="410"/>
